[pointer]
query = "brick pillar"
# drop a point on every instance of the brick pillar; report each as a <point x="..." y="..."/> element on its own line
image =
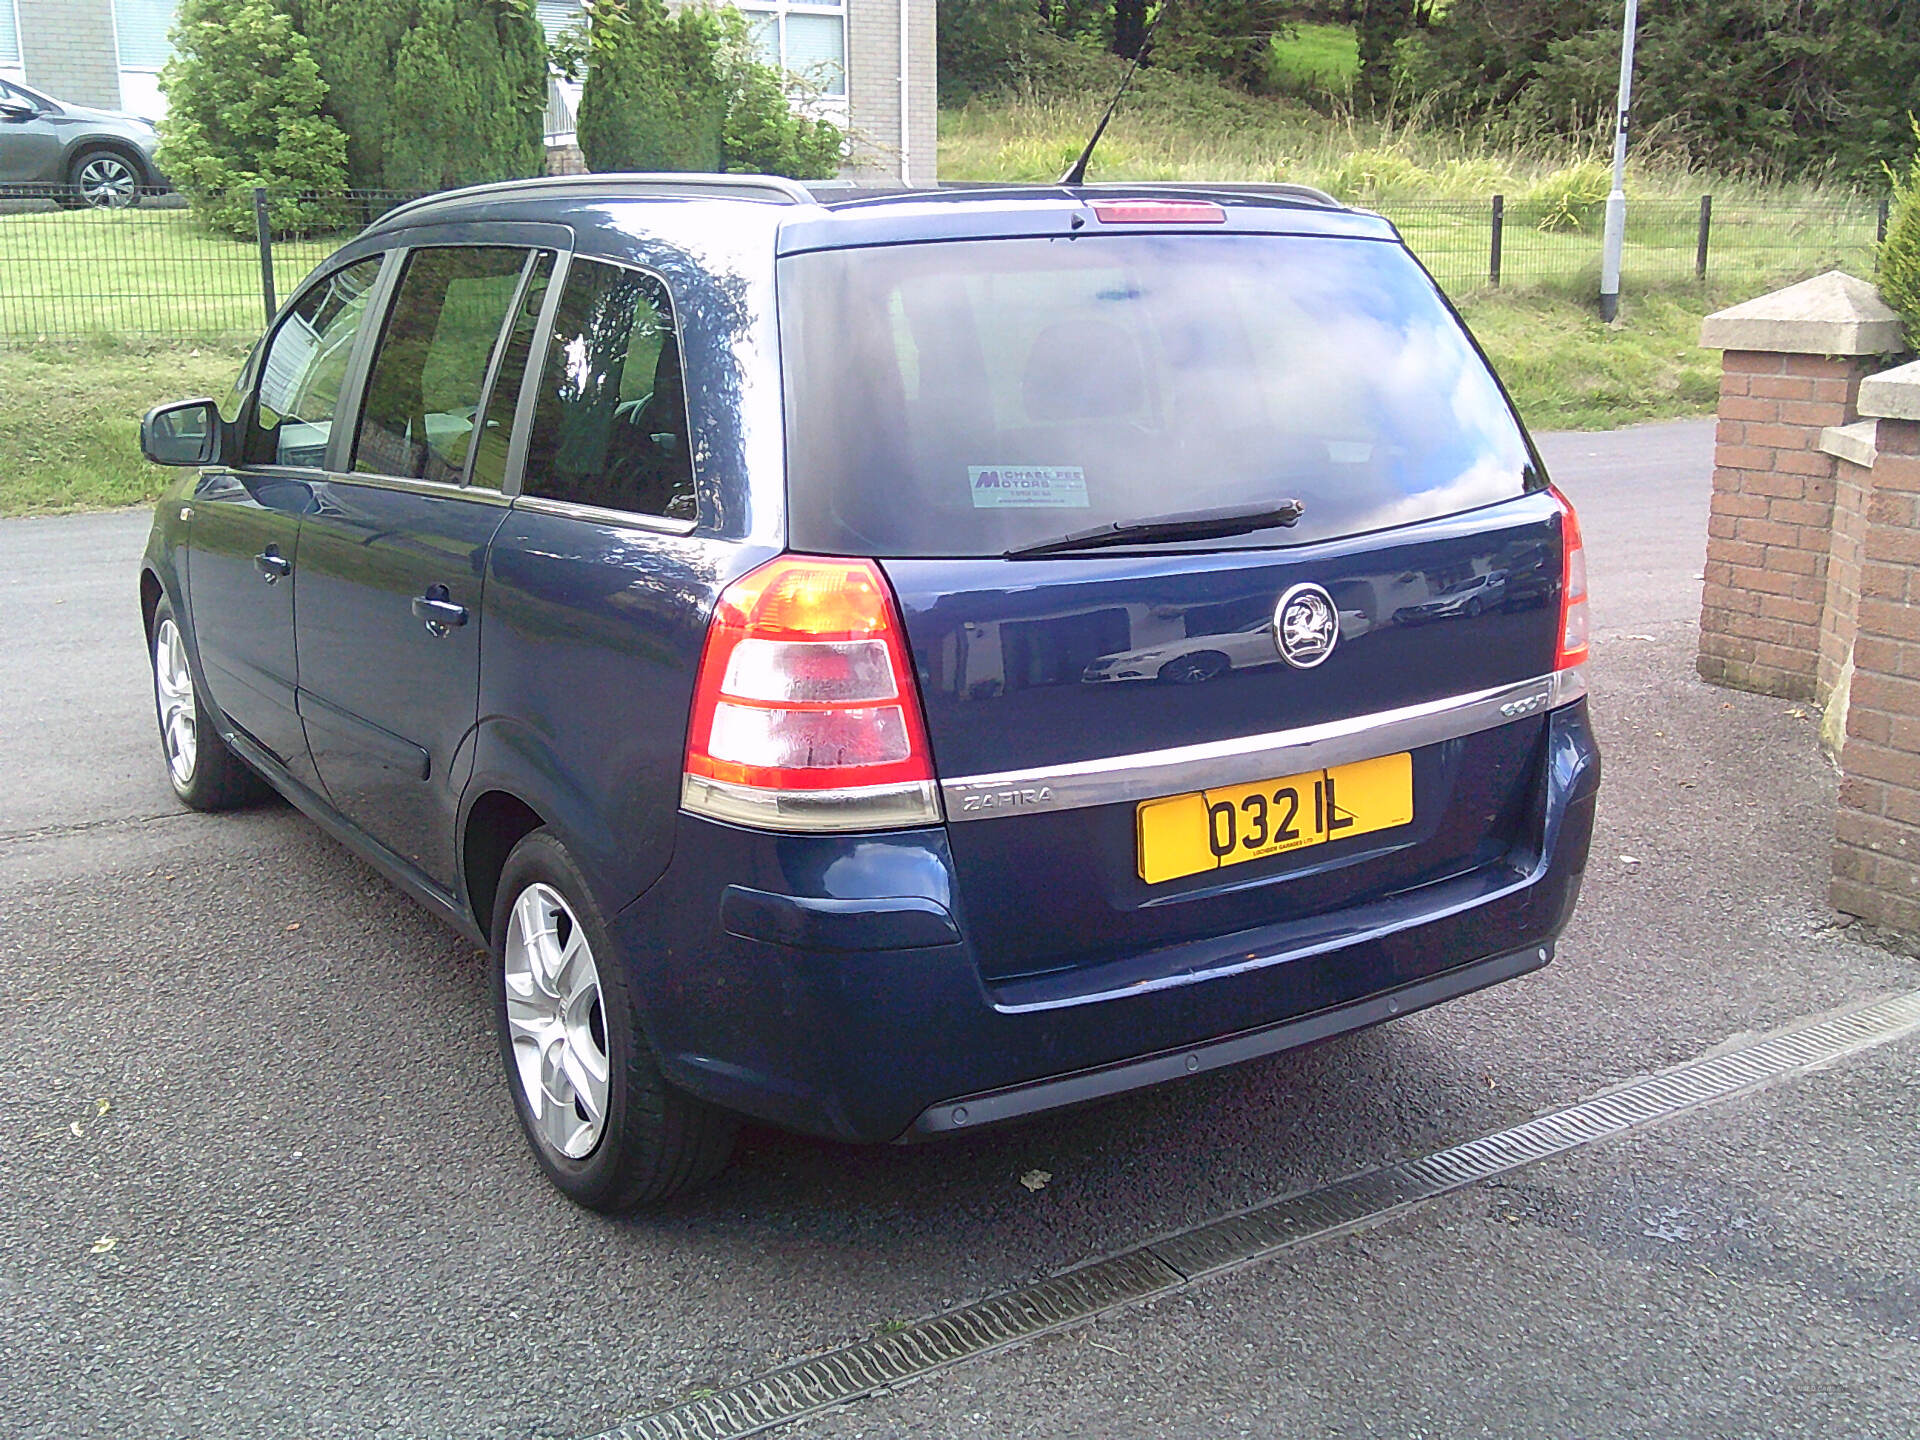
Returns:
<point x="1792" y="369"/>
<point x="1876" y="857"/>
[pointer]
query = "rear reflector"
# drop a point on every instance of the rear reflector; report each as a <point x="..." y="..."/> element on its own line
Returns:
<point x="1573" y="589"/>
<point x="805" y="715"/>
<point x="1158" y="212"/>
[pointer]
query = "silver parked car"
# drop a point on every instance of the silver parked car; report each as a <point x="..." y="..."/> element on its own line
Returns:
<point x="83" y="156"/>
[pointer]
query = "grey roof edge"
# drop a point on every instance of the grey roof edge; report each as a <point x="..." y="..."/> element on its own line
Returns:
<point x="639" y="184"/>
<point x="1892" y="394"/>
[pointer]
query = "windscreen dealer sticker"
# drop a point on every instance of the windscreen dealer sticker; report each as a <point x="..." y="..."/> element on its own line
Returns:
<point x="1040" y="486"/>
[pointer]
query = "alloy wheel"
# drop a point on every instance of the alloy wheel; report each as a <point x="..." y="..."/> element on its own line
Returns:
<point x="107" y="181"/>
<point x="173" y="693"/>
<point x="556" y="1017"/>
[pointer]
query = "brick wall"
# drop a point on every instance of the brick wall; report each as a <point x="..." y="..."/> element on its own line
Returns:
<point x="873" y="88"/>
<point x="1876" y="860"/>
<point x="1852" y="485"/>
<point x="1770" y="528"/>
<point x="67" y="49"/>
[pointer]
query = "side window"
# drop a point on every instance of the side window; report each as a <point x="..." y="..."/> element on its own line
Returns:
<point x="610" y="425"/>
<point x="304" y="367"/>
<point x="490" y="450"/>
<point x="424" y="387"/>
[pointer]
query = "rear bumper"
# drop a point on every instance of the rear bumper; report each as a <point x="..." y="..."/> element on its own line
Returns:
<point x="994" y="1106"/>
<point x="825" y="983"/>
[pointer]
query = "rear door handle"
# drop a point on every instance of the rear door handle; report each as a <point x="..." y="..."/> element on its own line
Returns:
<point x="272" y="565"/>
<point x="438" y="612"/>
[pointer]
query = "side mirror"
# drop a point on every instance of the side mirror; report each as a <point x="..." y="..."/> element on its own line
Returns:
<point x="185" y="433"/>
<point x="17" y="110"/>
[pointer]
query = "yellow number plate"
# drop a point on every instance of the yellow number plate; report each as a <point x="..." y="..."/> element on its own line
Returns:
<point x="1185" y="834"/>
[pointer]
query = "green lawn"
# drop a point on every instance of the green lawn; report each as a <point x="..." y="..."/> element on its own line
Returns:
<point x="1316" y="58"/>
<point x="70" y="425"/>
<point x="148" y="271"/>
<point x="1569" y="371"/>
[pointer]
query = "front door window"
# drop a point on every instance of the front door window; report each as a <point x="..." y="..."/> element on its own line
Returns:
<point x="305" y="367"/>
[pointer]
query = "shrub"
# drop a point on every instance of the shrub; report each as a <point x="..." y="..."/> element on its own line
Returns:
<point x="1897" y="265"/>
<point x="1371" y="176"/>
<point x="686" y="91"/>
<point x="999" y="47"/>
<point x="244" y="109"/>
<point x="1231" y="40"/>
<point x="469" y="96"/>
<point x="1572" y="196"/>
<point x="763" y="135"/>
<point x="432" y="93"/>
<point x="354" y="44"/>
<point x="653" y="98"/>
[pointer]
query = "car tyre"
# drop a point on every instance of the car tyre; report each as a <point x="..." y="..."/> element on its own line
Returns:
<point x="602" y="1120"/>
<point x="105" y="180"/>
<point x="1194" y="669"/>
<point x="203" y="770"/>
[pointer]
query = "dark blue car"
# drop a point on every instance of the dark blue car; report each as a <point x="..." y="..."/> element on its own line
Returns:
<point x="706" y="595"/>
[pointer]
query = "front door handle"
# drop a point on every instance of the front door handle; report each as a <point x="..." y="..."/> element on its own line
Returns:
<point x="438" y="612"/>
<point x="272" y="565"/>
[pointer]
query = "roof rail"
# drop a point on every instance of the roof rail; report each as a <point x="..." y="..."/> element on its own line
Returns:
<point x="689" y="186"/>
<point x="1280" y="189"/>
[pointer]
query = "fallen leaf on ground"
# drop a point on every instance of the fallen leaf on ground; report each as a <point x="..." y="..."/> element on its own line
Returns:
<point x="76" y="1128"/>
<point x="294" y="926"/>
<point x="102" y="1106"/>
<point x="1036" y="1179"/>
<point x="105" y="1243"/>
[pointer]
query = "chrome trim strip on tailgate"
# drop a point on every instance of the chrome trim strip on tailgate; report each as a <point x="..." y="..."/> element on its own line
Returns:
<point x="1152" y="773"/>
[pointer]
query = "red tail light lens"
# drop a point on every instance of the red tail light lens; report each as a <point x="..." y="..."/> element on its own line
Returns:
<point x="1573" y="589"/>
<point x="1158" y="212"/>
<point x="805" y="715"/>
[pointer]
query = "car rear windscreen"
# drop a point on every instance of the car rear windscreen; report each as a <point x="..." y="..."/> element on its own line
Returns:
<point x="971" y="397"/>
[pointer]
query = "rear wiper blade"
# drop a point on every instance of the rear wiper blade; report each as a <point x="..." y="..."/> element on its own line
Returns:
<point x="1182" y="525"/>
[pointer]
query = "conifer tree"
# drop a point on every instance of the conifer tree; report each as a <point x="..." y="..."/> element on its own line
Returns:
<point x="653" y="99"/>
<point x="432" y="93"/>
<point x="244" y="109"/>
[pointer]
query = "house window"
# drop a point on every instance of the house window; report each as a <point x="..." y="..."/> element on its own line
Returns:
<point x="9" y="36"/>
<point x="557" y="15"/>
<point x="807" y="40"/>
<point x="142" y="27"/>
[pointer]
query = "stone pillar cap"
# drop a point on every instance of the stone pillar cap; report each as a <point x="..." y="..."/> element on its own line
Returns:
<point x="1831" y="314"/>
<point x="1892" y="394"/>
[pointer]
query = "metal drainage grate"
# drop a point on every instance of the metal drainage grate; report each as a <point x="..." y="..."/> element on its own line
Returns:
<point x="1165" y="1264"/>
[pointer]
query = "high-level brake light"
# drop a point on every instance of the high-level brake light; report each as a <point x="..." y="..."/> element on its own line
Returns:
<point x="1158" y="212"/>
<point x="805" y="714"/>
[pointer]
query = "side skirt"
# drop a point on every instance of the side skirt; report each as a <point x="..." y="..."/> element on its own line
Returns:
<point x="442" y="904"/>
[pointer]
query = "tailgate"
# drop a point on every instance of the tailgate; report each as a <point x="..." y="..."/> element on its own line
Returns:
<point x="1062" y="693"/>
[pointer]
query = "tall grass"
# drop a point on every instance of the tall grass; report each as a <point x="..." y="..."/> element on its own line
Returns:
<point x="1181" y="129"/>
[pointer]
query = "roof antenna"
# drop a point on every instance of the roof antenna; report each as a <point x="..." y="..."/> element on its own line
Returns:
<point x="1077" y="172"/>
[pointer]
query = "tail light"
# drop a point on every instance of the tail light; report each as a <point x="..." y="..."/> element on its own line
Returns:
<point x="1573" y="589"/>
<point x="805" y="713"/>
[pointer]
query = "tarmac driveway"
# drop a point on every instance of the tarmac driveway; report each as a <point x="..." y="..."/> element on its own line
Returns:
<point x="260" y="1175"/>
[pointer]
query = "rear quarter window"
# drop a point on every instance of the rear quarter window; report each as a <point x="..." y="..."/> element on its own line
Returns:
<point x="967" y="398"/>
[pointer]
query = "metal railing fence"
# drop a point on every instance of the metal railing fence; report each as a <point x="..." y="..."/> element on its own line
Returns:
<point x="156" y="270"/>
